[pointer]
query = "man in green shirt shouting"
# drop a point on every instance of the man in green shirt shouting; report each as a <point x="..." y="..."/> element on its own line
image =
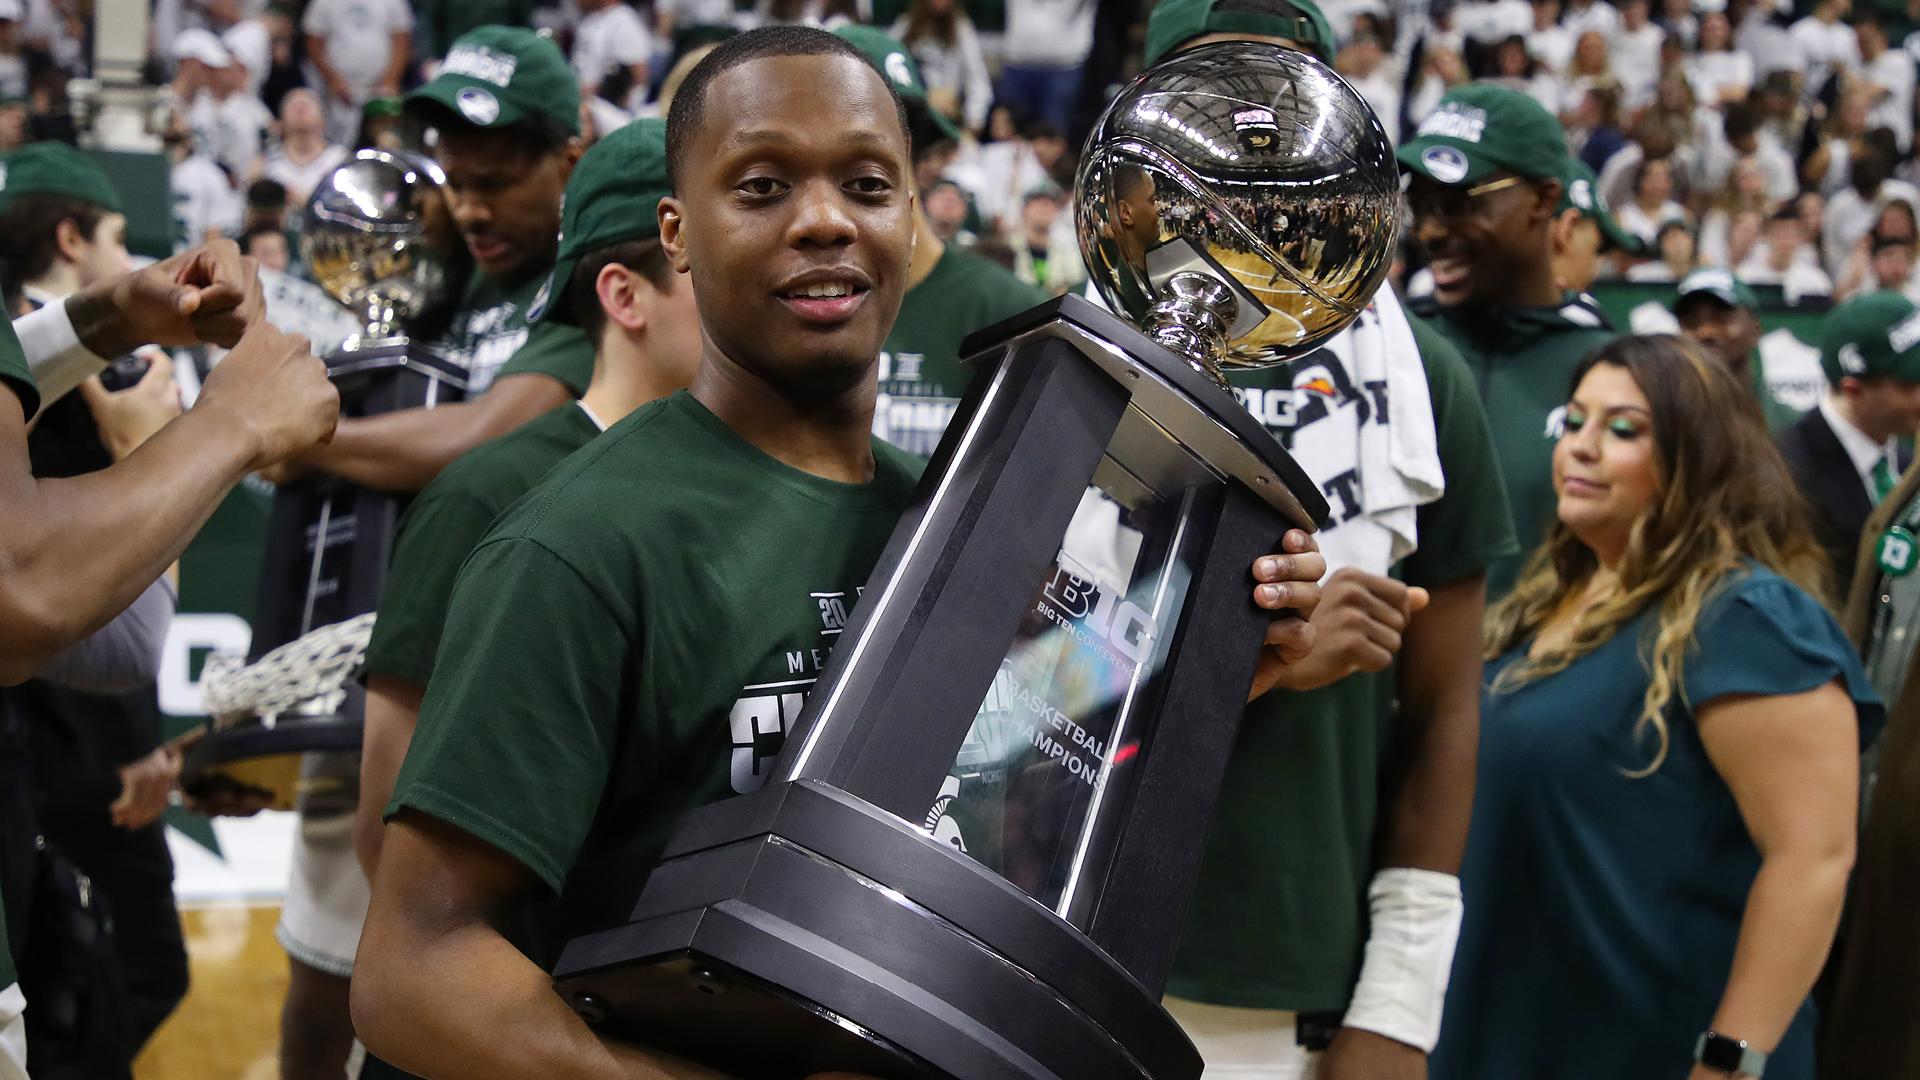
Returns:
<point x="599" y="637"/>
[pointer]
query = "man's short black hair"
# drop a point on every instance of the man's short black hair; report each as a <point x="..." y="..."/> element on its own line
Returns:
<point x="30" y="230"/>
<point x="690" y="101"/>
<point x="250" y="235"/>
<point x="266" y="194"/>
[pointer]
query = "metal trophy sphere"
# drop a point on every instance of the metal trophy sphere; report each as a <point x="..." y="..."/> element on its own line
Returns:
<point x="973" y="853"/>
<point x="1238" y="202"/>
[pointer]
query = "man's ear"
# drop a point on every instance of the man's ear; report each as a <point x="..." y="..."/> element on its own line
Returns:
<point x="673" y="235"/>
<point x="1547" y="196"/>
<point x="618" y="289"/>
<point x="1561" y="231"/>
<point x="570" y="154"/>
<point x="67" y="239"/>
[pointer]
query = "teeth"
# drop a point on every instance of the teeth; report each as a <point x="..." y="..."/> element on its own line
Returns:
<point x="824" y="291"/>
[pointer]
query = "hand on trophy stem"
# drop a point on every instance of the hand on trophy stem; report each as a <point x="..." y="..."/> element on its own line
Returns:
<point x="272" y="387"/>
<point x="209" y="294"/>
<point x="1287" y="583"/>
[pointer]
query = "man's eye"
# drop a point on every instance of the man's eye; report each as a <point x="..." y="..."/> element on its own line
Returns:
<point x="871" y="185"/>
<point x="761" y="186"/>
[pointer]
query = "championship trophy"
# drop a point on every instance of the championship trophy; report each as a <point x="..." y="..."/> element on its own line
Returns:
<point x="378" y="238"/>
<point x="973" y="852"/>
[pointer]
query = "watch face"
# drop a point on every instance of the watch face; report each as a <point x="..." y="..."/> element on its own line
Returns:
<point x="1722" y="1053"/>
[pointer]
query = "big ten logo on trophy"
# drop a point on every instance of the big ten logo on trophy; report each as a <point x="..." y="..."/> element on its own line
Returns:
<point x="1080" y="606"/>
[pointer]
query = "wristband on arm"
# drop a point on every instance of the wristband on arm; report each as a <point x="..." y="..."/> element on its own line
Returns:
<point x="1409" y="956"/>
<point x="54" y="354"/>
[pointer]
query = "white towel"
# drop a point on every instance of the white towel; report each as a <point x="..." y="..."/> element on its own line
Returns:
<point x="1376" y="471"/>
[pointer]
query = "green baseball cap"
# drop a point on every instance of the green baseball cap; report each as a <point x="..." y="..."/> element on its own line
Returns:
<point x="613" y="197"/>
<point x="902" y="71"/>
<point x="1173" y="23"/>
<point x="1582" y="193"/>
<point x="500" y="75"/>
<point x="54" y="168"/>
<point x="1720" y="284"/>
<point x="1876" y="334"/>
<point x="1480" y="127"/>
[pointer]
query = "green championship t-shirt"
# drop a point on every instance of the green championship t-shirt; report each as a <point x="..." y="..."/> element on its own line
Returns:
<point x="1278" y="918"/>
<point x="921" y="376"/>
<point x="489" y="334"/>
<point x="16" y="375"/>
<point x="632" y="640"/>
<point x="445" y="523"/>
<point x="1522" y="360"/>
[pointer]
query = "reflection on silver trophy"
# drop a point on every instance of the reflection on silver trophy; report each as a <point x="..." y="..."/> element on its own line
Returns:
<point x="1239" y="202"/>
<point x="376" y="237"/>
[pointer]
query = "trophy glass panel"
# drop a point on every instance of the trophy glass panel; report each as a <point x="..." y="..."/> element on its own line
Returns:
<point x="1043" y="772"/>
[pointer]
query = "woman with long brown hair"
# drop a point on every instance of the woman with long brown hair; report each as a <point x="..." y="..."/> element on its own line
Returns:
<point x="1664" y="813"/>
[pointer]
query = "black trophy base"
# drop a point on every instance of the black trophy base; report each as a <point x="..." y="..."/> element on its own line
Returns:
<point x="261" y="761"/>
<point x="766" y="929"/>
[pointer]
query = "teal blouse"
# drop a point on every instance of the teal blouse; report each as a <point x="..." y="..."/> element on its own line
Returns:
<point x="1602" y="910"/>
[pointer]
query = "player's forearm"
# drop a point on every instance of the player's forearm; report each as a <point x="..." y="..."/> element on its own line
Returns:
<point x="76" y="552"/>
<point x="1792" y="912"/>
<point x="504" y="1022"/>
<point x="393" y="710"/>
<point x="396" y="67"/>
<point x="1430" y="797"/>
<point x="404" y="450"/>
<point x="317" y="54"/>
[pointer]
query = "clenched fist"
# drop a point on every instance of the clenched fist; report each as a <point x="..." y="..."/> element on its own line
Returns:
<point x="273" y="388"/>
<point x="1359" y="624"/>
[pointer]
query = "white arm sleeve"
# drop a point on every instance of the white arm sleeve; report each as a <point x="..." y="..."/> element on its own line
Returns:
<point x="54" y="353"/>
<point x="1403" y="980"/>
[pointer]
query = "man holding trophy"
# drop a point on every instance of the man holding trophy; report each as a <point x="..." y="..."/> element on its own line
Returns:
<point x="667" y="569"/>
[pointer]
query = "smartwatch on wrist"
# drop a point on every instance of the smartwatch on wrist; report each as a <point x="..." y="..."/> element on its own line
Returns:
<point x="1727" y="1055"/>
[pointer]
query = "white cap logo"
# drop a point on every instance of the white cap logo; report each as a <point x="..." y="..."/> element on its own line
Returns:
<point x="1445" y="164"/>
<point x="1850" y="359"/>
<point x="478" y="106"/>
<point x="898" y="71"/>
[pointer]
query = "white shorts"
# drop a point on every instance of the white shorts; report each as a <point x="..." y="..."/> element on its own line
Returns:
<point x="13" y="1032"/>
<point x="327" y="894"/>
<point x="1244" y="1044"/>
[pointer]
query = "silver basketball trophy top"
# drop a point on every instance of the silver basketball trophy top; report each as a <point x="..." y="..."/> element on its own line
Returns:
<point x="376" y="239"/>
<point x="1239" y="202"/>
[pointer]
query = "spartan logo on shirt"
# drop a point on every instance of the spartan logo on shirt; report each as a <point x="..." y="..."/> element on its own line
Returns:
<point x="476" y="342"/>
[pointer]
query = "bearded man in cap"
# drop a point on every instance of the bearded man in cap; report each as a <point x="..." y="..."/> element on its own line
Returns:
<point x="1489" y="168"/>
<point x="1717" y="312"/>
<point x="1322" y="925"/>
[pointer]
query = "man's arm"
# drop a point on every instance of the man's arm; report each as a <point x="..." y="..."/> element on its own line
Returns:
<point x="437" y="901"/>
<point x="405" y="449"/>
<point x="402" y="51"/>
<point x="75" y="552"/>
<point x="393" y="710"/>
<point x="1430" y="797"/>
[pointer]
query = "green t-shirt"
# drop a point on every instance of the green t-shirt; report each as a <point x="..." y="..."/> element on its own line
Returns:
<point x="447" y="521"/>
<point x="1278" y="917"/>
<point x="16" y="375"/>
<point x="1522" y="360"/>
<point x="489" y="335"/>
<point x="921" y="376"/>
<point x="1603" y="909"/>
<point x="632" y="640"/>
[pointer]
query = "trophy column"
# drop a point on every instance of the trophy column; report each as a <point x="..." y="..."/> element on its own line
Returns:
<point x="374" y="239"/>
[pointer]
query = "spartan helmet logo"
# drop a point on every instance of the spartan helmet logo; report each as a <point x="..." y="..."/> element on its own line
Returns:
<point x="898" y="71"/>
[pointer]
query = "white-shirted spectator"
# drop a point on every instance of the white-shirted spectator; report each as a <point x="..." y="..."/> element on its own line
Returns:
<point x="204" y="202"/>
<point x="1678" y="18"/>
<point x="1548" y="41"/>
<point x="358" y="50"/>
<point x="1372" y="70"/>
<point x="1770" y="45"/>
<point x="1674" y="250"/>
<point x="1888" y="73"/>
<point x="59" y="28"/>
<point x="1741" y="137"/>
<point x="1635" y="50"/>
<point x="1652" y="205"/>
<point x="1786" y="257"/>
<point x="612" y="40"/>
<point x="1829" y="168"/>
<point x="1745" y="193"/>
<point x="1047" y="45"/>
<point x="941" y="36"/>
<point x="228" y="123"/>
<point x="1488" y="21"/>
<point x="1719" y="72"/>
<point x="13" y="62"/>
<point x="1581" y="16"/>
<point x="250" y="44"/>
<point x="1827" y="43"/>
<point x="304" y="156"/>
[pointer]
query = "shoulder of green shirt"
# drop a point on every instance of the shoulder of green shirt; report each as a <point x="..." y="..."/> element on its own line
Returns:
<point x="1470" y="525"/>
<point x="556" y="350"/>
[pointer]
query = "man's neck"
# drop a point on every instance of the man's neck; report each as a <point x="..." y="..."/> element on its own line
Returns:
<point x="624" y="378"/>
<point x="1537" y="286"/>
<point x="61" y="279"/>
<point x="927" y="249"/>
<point x="302" y="147"/>
<point x="829" y="437"/>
